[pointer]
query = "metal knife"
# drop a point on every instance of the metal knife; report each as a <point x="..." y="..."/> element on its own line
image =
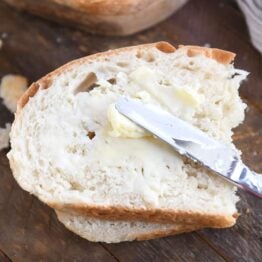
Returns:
<point x="192" y="142"/>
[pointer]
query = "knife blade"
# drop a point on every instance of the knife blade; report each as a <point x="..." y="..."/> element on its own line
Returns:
<point x="190" y="141"/>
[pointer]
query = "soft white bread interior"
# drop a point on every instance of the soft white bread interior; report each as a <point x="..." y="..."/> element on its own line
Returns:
<point x="66" y="152"/>
<point x="98" y="230"/>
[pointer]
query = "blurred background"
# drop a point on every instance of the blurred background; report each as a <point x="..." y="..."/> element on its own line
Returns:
<point x="32" y="47"/>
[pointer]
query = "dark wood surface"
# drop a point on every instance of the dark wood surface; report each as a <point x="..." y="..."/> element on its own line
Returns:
<point x="30" y="231"/>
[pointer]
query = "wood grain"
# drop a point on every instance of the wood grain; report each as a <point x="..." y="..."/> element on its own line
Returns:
<point x="30" y="231"/>
<point x="186" y="247"/>
<point x="244" y="240"/>
<point x="4" y="257"/>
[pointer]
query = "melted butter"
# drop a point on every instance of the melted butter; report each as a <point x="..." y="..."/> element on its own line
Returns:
<point x="188" y="98"/>
<point x="124" y="143"/>
<point x="123" y="127"/>
<point x="172" y="96"/>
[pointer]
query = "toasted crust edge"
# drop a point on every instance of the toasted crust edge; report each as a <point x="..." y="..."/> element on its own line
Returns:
<point x="171" y="232"/>
<point x="152" y="215"/>
<point x="221" y="56"/>
<point x="215" y="220"/>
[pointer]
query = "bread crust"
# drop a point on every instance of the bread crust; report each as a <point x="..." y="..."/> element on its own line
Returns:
<point x="161" y="233"/>
<point x="109" y="17"/>
<point x="157" y="233"/>
<point x="152" y="215"/>
<point x="118" y="212"/>
<point x="224" y="57"/>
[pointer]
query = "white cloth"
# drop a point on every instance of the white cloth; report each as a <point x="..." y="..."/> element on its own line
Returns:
<point x="252" y="10"/>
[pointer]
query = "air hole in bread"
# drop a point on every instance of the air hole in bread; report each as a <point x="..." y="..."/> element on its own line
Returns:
<point x="148" y="57"/>
<point x="138" y="54"/>
<point x="191" y="174"/>
<point x="65" y="82"/>
<point x="74" y="75"/>
<point x="93" y="86"/>
<point x="234" y="75"/>
<point x="87" y="84"/>
<point x="91" y="134"/>
<point x="201" y="186"/>
<point x="122" y="64"/>
<point x="76" y="186"/>
<point x="165" y="47"/>
<point x="112" y="81"/>
<point x="164" y="83"/>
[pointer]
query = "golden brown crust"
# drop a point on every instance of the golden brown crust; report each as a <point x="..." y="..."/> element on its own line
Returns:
<point x="214" y="220"/>
<point x="221" y="56"/>
<point x="152" y="215"/>
<point x="30" y="92"/>
<point x="165" y="47"/>
<point x="165" y="233"/>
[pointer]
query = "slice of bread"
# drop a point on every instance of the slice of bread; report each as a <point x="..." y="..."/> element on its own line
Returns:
<point x="109" y="17"/>
<point x="63" y="150"/>
<point x="98" y="230"/>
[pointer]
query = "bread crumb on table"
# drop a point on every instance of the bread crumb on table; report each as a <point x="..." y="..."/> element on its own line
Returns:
<point x="248" y="211"/>
<point x="11" y="89"/>
<point x="4" y="35"/>
<point x="4" y="136"/>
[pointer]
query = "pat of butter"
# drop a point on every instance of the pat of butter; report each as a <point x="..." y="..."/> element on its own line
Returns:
<point x="186" y="97"/>
<point x="144" y="95"/>
<point x="171" y="96"/>
<point x="123" y="127"/>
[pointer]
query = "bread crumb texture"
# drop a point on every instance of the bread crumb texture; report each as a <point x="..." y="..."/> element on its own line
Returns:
<point x="11" y="89"/>
<point x="54" y="157"/>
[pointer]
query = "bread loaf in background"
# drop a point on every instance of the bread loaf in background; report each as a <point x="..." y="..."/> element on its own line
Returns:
<point x="109" y="17"/>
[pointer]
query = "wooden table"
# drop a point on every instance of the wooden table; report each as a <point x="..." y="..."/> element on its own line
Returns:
<point x="30" y="231"/>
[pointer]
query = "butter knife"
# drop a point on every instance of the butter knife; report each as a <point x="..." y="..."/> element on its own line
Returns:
<point x="191" y="142"/>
